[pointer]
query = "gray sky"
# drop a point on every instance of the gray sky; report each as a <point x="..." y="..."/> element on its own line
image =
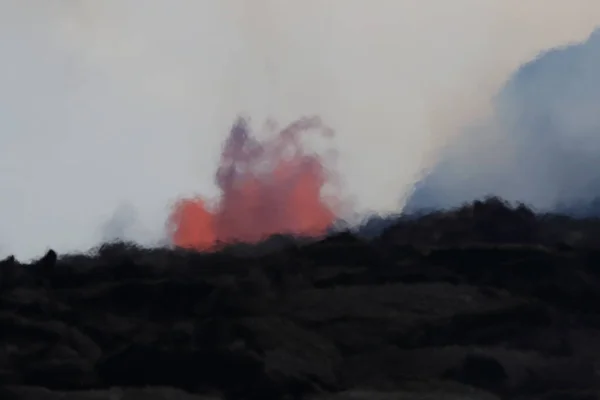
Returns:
<point x="122" y="104"/>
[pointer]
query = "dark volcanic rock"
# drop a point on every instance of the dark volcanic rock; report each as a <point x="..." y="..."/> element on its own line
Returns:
<point x="481" y="371"/>
<point x="484" y="302"/>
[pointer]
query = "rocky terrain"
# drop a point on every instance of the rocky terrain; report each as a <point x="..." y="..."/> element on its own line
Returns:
<point x="482" y="302"/>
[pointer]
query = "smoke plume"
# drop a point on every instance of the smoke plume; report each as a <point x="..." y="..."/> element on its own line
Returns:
<point x="112" y="102"/>
<point x="541" y="146"/>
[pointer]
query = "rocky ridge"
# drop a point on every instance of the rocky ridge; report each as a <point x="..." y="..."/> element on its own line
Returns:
<point x="483" y="302"/>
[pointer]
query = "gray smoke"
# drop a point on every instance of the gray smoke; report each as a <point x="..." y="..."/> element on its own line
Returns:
<point x="540" y="147"/>
<point x="121" y="226"/>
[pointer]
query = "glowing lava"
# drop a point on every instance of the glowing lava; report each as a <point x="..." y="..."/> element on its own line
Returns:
<point x="266" y="187"/>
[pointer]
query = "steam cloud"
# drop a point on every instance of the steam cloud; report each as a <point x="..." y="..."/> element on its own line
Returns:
<point x="541" y="146"/>
<point x="108" y="104"/>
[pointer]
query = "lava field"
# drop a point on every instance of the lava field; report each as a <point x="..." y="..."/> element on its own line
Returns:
<point x="487" y="301"/>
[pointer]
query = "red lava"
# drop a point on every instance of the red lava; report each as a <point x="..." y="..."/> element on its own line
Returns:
<point x="269" y="187"/>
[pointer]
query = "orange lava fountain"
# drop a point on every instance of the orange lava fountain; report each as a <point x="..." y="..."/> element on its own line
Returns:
<point x="269" y="187"/>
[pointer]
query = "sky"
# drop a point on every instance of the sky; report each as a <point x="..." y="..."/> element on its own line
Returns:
<point x="111" y="110"/>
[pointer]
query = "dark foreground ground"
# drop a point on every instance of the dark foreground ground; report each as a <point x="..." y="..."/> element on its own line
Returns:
<point x="485" y="302"/>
